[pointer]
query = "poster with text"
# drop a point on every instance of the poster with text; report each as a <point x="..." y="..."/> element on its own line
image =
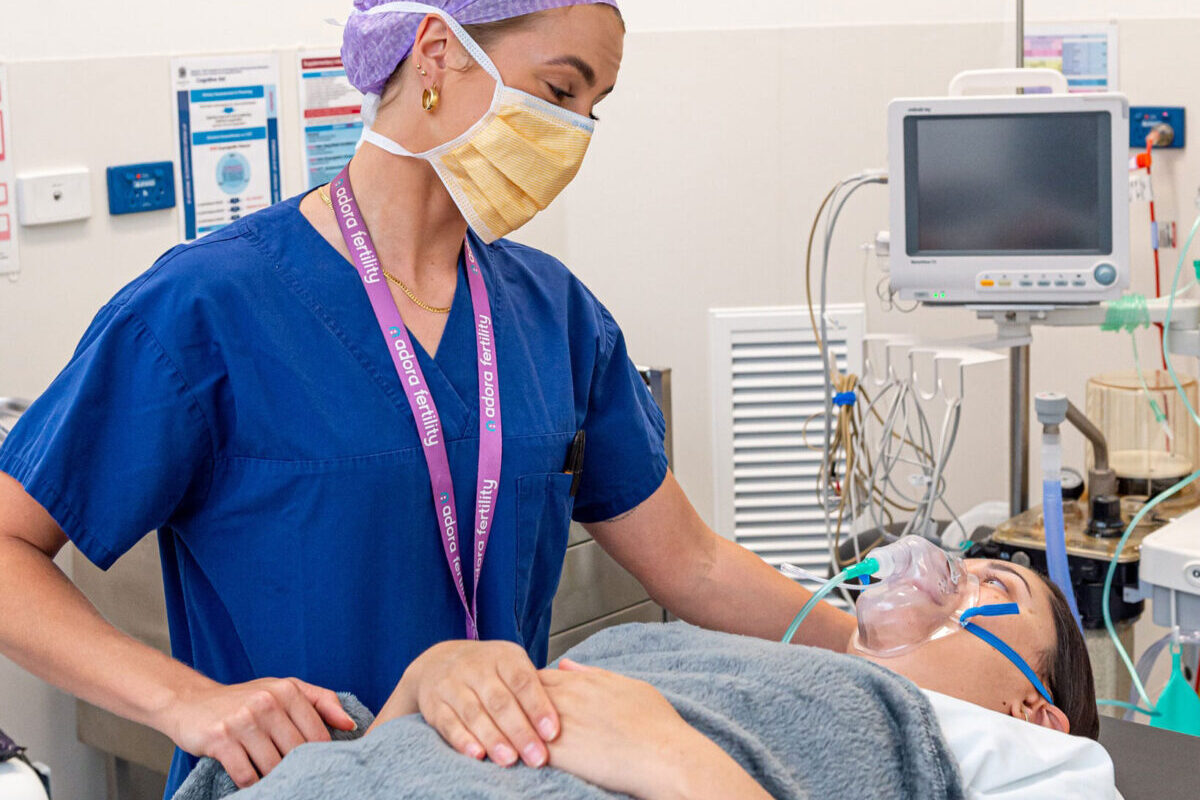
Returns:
<point x="9" y="265"/>
<point x="1085" y="53"/>
<point x="329" y="116"/>
<point x="227" y="112"/>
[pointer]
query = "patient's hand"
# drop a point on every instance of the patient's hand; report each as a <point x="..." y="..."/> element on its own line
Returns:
<point x="622" y="735"/>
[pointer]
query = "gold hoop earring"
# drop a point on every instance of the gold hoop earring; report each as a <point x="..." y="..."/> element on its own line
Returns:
<point x="430" y="98"/>
<point x="1027" y="715"/>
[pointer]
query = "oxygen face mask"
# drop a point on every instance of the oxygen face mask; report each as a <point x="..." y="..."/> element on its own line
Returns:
<point x="922" y="592"/>
<point x="926" y="593"/>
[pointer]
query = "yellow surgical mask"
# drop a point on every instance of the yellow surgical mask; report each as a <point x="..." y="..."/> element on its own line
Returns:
<point x="510" y="164"/>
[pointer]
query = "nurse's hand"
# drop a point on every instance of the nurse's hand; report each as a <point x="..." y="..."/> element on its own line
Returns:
<point x="484" y="698"/>
<point x="250" y="727"/>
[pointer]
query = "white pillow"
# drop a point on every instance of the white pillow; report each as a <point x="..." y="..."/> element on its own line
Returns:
<point x="1003" y="757"/>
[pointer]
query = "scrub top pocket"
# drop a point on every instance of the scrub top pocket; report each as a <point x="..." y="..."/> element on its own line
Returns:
<point x="544" y="505"/>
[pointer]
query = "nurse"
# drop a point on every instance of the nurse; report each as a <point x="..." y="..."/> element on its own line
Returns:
<point x="361" y="421"/>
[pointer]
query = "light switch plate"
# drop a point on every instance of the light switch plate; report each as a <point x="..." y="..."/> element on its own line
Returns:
<point x="48" y="197"/>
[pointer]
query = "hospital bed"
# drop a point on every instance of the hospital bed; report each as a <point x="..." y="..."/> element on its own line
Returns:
<point x="1152" y="764"/>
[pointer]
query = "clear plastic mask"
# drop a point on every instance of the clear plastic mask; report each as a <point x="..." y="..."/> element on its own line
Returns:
<point x="921" y="593"/>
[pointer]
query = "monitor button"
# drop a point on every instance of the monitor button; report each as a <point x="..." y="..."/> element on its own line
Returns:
<point x="1105" y="274"/>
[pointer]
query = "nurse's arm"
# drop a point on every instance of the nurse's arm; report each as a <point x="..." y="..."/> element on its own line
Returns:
<point x="706" y="579"/>
<point x="48" y="627"/>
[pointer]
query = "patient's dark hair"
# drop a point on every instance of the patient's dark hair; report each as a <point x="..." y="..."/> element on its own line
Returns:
<point x="1068" y="669"/>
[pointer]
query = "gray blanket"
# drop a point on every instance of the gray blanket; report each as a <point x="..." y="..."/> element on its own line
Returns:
<point x="806" y="723"/>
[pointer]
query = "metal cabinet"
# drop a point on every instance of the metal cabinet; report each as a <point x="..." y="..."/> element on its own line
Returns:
<point x="594" y="593"/>
<point x="10" y="409"/>
<point x="593" y="588"/>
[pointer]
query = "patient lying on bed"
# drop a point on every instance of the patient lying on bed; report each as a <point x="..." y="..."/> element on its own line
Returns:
<point x="672" y="710"/>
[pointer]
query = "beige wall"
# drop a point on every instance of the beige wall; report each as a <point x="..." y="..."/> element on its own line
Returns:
<point x="710" y="160"/>
<point x="80" y="29"/>
<point x="700" y="197"/>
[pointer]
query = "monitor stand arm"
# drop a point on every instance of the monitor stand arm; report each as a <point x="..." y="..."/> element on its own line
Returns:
<point x="1014" y="329"/>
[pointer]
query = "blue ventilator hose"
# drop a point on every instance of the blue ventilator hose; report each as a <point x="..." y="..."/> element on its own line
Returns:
<point x="1056" y="544"/>
<point x="867" y="567"/>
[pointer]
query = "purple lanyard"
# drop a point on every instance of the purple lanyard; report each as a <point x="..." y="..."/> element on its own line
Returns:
<point x="420" y="400"/>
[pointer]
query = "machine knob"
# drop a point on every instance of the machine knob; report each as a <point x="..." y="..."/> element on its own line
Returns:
<point x="1191" y="573"/>
<point x="1106" y="516"/>
<point x="1105" y="274"/>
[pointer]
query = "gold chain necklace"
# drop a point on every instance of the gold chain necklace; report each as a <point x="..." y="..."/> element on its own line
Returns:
<point x="323" y="193"/>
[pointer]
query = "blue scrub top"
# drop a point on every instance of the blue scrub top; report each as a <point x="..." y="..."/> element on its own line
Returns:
<point x="240" y="399"/>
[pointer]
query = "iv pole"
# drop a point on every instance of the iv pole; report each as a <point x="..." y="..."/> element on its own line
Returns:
<point x="1018" y="371"/>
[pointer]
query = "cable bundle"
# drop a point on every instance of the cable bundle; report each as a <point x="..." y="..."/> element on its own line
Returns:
<point x="859" y="480"/>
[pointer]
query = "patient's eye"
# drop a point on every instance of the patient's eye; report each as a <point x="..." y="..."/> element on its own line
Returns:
<point x="995" y="580"/>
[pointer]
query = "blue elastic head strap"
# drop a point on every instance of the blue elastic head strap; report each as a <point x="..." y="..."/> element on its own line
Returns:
<point x="1002" y="610"/>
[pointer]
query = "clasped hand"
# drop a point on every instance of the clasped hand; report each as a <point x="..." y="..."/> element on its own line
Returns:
<point x="487" y="698"/>
<point x="484" y="698"/>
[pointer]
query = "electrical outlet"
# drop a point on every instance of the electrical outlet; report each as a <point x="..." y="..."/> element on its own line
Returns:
<point x="54" y="197"/>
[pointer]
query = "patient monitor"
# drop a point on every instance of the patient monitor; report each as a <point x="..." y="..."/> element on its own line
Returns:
<point x="1016" y="200"/>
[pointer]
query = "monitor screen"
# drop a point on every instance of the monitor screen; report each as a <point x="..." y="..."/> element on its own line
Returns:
<point x="1025" y="184"/>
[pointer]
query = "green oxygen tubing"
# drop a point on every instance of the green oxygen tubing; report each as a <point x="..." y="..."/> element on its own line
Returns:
<point x="866" y="567"/>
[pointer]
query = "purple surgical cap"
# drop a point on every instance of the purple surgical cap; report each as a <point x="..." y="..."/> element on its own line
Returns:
<point x="373" y="44"/>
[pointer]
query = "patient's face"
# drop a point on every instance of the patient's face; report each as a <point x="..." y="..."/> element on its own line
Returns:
<point x="964" y="666"/>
